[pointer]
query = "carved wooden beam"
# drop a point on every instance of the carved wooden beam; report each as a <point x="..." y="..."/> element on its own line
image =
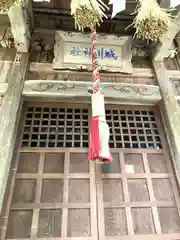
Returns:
<point x="137" y="72"/>
<point x="165" y="47"/>
<point x="131" y="93"/>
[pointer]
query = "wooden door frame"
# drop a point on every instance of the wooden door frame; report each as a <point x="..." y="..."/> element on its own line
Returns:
<point x="12" y="174"/>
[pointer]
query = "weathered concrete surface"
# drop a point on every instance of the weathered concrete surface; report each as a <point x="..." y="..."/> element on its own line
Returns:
<point x="20" y="16"/>
<point x="170" y="113"/>
<point x="9" y="115"/>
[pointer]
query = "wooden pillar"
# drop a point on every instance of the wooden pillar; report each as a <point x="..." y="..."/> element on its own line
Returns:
<point x="10" y="110"/>
<point x="170" y="112"/>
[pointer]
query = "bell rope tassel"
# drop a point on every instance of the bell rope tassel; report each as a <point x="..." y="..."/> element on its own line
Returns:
<point x="99" y="135"/>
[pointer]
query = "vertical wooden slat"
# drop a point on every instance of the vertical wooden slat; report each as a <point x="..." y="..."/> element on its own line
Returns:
<point x="81" y="130"/>
<point x="151" y="195"/>
<point x="121" y="130"/>
<point x="73" y="124"/>
<point x="94" y="223"/>
<point x="35" y="218"/>
<point x="126" y="195"/>
<point x="65" y="195"/>
<point x="56" y="135"/>
<point x="100" y="204"/>
<point x="113" y="131"/>
<point x="39" y="131"/>
<point x="143" y="128"/>
<point x="129" y="133"/>
<point x="31" y="129"/>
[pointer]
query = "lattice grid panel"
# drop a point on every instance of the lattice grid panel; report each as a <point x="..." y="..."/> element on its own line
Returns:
<point x="69" y="127"/>
<point x="56" y="127"/>
<point x="133" y="129"/>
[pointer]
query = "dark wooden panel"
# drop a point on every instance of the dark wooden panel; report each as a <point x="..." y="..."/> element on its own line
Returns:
<point x="52" y="190"/>
<point x="24" y="191"/>
<point x="115" y="222"/>
<point x="157" y="163"/>
<point x="28" y="163"/>
<point x="50" y="223"/>
<point x="79" y="223"/>
<point x="79" y="190"/>
<point x="19" y="224"/>
<point x="169" y="219"/>
<point x="112" y="190"/>
<point x="143" y="221"/>
<point x="138" y="190"/>
<point x="78" y="163"/>
<point x="54" y="163"/>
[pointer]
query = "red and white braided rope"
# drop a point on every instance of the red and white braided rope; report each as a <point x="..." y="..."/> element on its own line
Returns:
<point x="95" y="67"/>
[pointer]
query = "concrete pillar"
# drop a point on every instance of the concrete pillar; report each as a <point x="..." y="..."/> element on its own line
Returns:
<point x="170" y="112"/>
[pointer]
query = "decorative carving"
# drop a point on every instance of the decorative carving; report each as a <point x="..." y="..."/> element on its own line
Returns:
<point x="7" y="39"/>
<point x="73" y="51"/>
<point x="139" y="48"/>
<point x="42" y="44"/>
<point x="176" y="85"/>
<point x="71" y="88"/>
<point x="17" y="58"/>
<point x="20" y="25"/>
<point x="87" y="77"/>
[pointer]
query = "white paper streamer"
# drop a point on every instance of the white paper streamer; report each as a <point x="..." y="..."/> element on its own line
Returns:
<point x="118" y="6"/>
<point x="174" y="3"/>
<point x="98" y="105"/>
<point x="104" y="135"/>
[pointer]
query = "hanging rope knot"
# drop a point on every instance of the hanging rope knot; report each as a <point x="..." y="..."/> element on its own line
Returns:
<point x="99" y="138"/>
<point x="151" y="21"/>
<point x="87" y="13"/>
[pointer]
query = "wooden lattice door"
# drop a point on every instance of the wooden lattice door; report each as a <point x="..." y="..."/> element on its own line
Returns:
<point x="137" y="195"/>
<point x="55" y="193"/>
